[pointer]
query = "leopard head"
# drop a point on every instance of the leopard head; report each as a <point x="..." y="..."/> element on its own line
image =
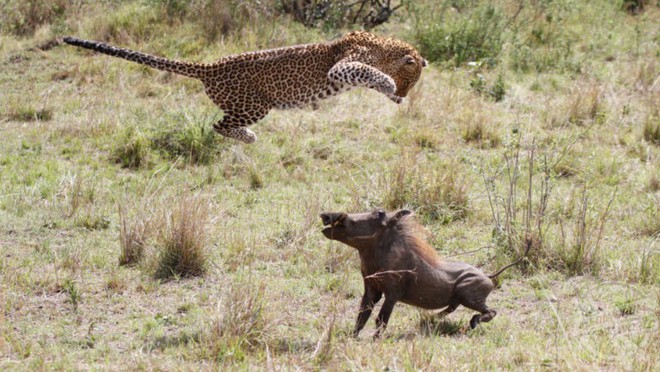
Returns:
<point x="405" y="68"/>
<point x="396" y="58"/>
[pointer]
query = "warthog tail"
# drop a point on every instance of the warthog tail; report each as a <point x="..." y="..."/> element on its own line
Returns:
<point x="528" y="242"/>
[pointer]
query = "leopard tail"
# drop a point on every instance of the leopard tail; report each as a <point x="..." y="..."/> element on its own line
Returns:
<point x="194" y="70"/>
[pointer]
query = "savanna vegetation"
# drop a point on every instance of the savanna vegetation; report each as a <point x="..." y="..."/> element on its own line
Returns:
<point x="132" y="237"/>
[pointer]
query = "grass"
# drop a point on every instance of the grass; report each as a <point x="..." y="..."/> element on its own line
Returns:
<point x="183" y="237"/>
<point x="129" y="232"/>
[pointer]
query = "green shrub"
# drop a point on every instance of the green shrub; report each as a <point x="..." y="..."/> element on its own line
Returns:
<point x="460" y="37"/>
<point x="23" y="17"/>
<point x="335" y="14"/>
<point x="131" y="149"/>
<point x="194" y="142"/>
<point x="495" y="91"/>
<point x="555" y="56"/>
<point x="134" y="21"/>
<point x="540" y="39"/>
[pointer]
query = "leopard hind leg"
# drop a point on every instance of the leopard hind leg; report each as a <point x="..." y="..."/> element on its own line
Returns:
<point x="234" y="125"/>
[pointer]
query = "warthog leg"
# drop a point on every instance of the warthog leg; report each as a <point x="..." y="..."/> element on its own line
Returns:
<point x="369" y="300"/>
<point x="450" y="309"/>
<point x="484" y="317"/>
<point x="486" y="313"/>
<point x="479" y="305"/>
<point x="384" y="314"/>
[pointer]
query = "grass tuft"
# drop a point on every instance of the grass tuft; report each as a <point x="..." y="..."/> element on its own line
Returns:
<point x="197" y="143"/>
<point x="648" y="266"/>
<point x="131" y="149"/>
<point x="651" y="131"/>
<point x="69" y="287"/>
<point x="579" y="249"/>
<point x="134" y="230"/>
<point x="626" y="306"/>
<point x="436" y="194"/>
<point x="584" y="104"/>
<point x="26" y="114"/>
<point x="116" y="283"/>
<point x="242" y="325"/>
<point x="182" y="239"/>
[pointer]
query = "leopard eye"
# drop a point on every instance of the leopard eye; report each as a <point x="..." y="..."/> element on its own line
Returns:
<point x="410" y="60"/>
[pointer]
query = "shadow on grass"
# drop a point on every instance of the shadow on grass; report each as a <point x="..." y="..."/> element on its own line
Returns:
<point x="284" y="346"/>
<point x="431" y="325"/>
<point x="168" y="341"/>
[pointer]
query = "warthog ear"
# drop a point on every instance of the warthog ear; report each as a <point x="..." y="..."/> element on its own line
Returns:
<point x="402" y="213"/>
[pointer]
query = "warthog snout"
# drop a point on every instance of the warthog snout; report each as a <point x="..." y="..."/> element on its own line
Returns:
<point x="332" y="219"/>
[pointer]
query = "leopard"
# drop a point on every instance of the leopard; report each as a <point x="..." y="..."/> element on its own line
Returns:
<point x="246" y="86"/>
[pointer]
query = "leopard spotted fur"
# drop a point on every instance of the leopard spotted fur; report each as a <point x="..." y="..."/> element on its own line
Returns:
<point x="247" y="86"/>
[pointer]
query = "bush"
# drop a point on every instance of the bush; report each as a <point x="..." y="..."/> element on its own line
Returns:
<point x="457" y="38"/>
<point x="495" y="91"/>
<point x="132" y="149"/>
<point x="216" y="18"/>
<point x="540" y="40"/>
<point x="634" y="6"/>
<point x="128" y="23"/>
<point x="333" y="14"/>
<point x="23" y="17"/>
<point x="194" y="142"/>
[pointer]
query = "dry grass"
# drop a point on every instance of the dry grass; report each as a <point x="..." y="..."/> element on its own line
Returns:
<point x="439" y="194"/>
<point x="183" y="238"/>
<point x="134" y="231"/>
<point x="242" y="325"/>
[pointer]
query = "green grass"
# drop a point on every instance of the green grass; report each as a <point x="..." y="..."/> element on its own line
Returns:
<point x="130" y="233"/>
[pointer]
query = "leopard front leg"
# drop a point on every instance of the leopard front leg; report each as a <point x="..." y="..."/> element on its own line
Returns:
<point x="362" y="75"/>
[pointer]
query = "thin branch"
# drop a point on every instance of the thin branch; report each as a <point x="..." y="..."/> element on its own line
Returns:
<point x="603" y="218"/>
<point x="469" y="252"/>
<point x="388" y="272"/>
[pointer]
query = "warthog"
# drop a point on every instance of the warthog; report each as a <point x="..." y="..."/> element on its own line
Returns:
<point x="397" y="263"/>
